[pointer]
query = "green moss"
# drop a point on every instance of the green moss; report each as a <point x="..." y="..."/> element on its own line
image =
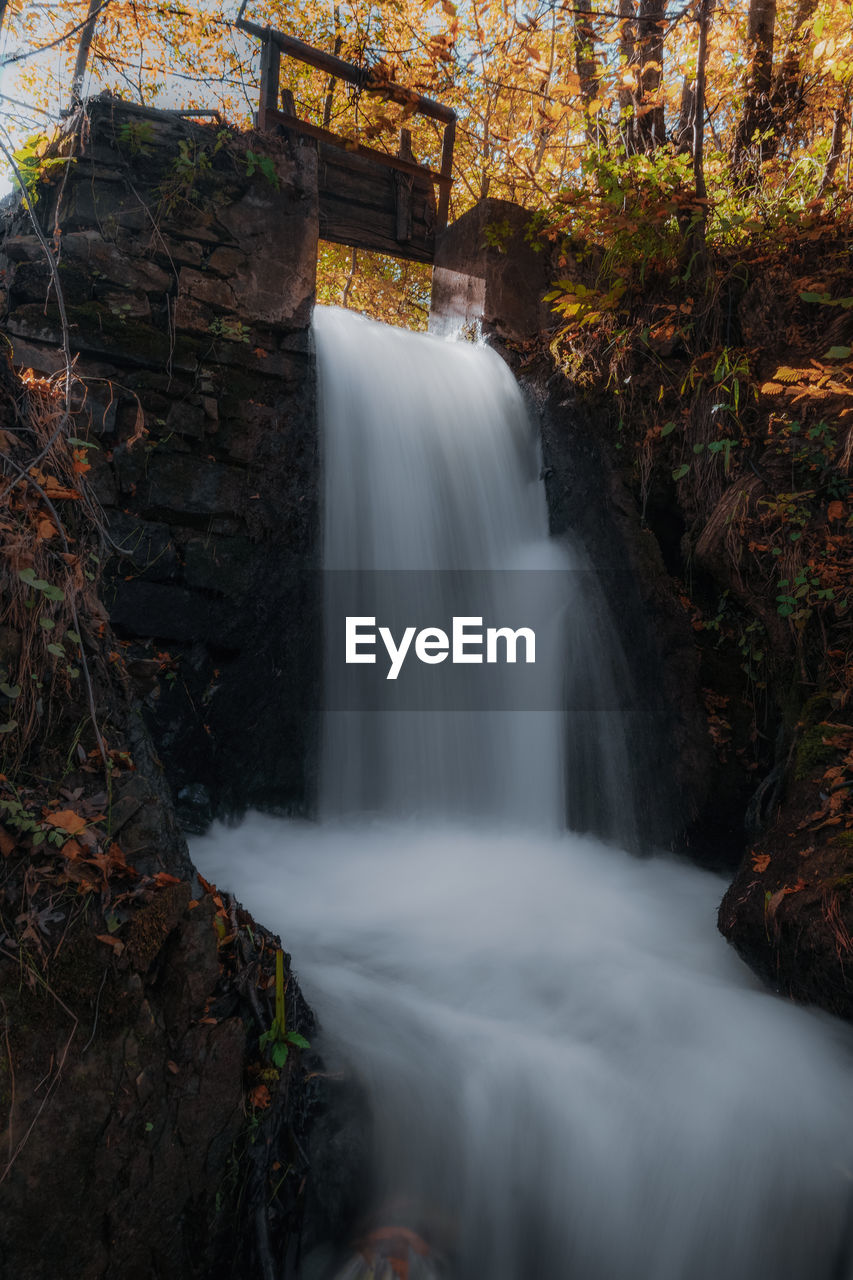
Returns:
<point x="812" y="752"/>
<point x="813" y="711"/>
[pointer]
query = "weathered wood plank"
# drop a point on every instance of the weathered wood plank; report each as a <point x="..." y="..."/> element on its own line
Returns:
<point x="352" y="224"/>
<point x="403" y="184"/>
<point x="352" y="148"/>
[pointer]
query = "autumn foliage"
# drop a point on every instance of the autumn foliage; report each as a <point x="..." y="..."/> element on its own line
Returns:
<point x="733" y="118"/>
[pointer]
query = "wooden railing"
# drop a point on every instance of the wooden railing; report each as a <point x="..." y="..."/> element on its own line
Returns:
<point x="276" y="107"/>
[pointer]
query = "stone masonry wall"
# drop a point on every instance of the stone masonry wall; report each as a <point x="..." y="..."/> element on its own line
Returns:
<point x="187" y="258"/>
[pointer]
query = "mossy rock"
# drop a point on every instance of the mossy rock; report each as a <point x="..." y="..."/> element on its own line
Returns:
<point x="812" y="752"/>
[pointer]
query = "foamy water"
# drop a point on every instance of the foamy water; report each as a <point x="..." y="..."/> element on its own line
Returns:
<point x="570" y="1072"/>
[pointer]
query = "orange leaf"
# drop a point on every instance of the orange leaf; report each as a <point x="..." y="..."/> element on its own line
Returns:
<point x="260" y="1097"/>
<point x="71" y="849"/>
<point x="116" y="945"/>
<point x="45" y="529"/>
<point x="163" y="878"/>
<point x="760" y="861"/>
<point x="835" y="510"/>
<point x="66" y="820"/>
<point x="55" y="489"/>
<point x="7" y="843"/>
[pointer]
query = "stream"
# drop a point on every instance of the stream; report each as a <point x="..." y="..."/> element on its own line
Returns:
<point x="570" y="1074"/>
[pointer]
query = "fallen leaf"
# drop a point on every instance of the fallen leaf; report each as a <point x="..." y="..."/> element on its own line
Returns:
<point x="260" y="1097"/>
<point x="7" y="843"/>
<point x="775" y="899"/>
<point x="56" y="490"/>
<point x="163" y="878"/>
<point x="115" y="943"/>
<point x="66" y="820"/>
<point x="760" y="861"/>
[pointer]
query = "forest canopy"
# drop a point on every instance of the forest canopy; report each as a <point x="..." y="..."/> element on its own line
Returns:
<point x="718" y="119"/>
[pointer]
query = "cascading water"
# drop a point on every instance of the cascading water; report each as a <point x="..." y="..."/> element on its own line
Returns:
<point x="569" y="1073"/>
<point x="433" y="504"/>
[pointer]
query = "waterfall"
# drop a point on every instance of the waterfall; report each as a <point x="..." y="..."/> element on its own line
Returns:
<point x="568" y="1072"/>
<point x="433" y="508"/>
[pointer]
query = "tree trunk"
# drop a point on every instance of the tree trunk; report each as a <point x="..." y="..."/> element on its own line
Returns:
<point x="836" y="146"/>
<point x="705" y="9"/>
<point x="83" y="51"/>
<point x="587" y="69"/>
<point x="628" y="58"/>
<point x="787" y="98"/>
<point x="757" y="111"/>
<point x="651" y="23"/>
<point x="684" y="128"/>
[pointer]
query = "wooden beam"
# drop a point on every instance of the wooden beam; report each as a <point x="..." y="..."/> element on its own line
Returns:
<point x="347" y="71"/>
<point x="403" y="189"/>
<point x="270" y="73"/>
<point x="446" y="173"/>
<point x="357" y="148"/>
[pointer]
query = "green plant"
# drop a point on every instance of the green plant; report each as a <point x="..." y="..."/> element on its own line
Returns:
<point x="797" y="598"/>
<point x="232" y="330"/>
<point x="730" y="376"/>
<point x="278" y="1040"/>
<point x="47" y="589"/>
<point x="136" y="137"/>
<point x="264" y="166"/>
<point x="22" y="820"/>
<point x="34" y="165"/>
<point x="497" y="234"/>
<point x="193" y="162"/>
<point x="791" y="509"/>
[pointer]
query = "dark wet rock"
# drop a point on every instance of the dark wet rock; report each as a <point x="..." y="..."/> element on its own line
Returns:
<point x="194" y="807"/>
<point x="789" y="910"/>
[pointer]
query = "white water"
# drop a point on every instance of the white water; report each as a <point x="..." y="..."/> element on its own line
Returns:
<point x="570" y="1073"/>
<point x="430" y="464"/>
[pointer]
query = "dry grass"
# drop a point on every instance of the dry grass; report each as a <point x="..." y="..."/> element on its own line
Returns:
<point x="50" y="550"/>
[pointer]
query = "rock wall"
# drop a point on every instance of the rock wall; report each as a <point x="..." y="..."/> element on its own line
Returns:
<point x="137" y="1100"/>
<point x="187" y="260"/>
<point x="666" y="729"/>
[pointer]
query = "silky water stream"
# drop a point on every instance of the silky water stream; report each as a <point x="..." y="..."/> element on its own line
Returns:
<point x="569" y="1073"/>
